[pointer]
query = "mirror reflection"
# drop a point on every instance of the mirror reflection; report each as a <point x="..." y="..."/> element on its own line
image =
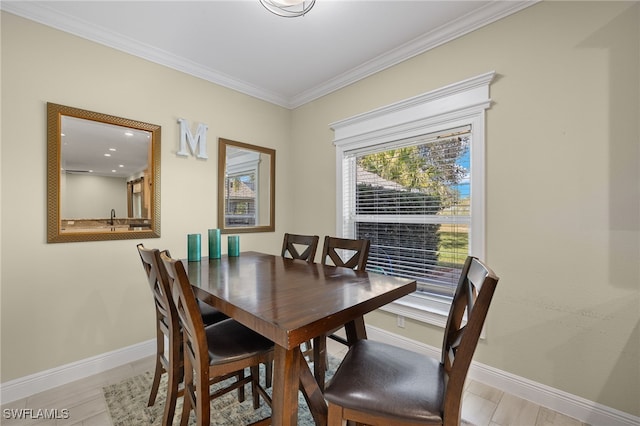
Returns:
<point x="103" y="176"/>
<point x="246" y="185"/>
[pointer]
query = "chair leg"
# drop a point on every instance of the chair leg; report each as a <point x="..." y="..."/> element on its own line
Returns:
<point x="268" y="374"/>
<point x="255" y="377"/>
<point x="186" y="407"/>
<point x="241" y="394"/>
<point x="175" y="375"/>
<point x="203" y="403"/>
<point x="308" y="351"/>
<point x="334" y="416"/>
<point x="159" y="367"/>
<point x="172" y="396"/>
<point x="320" y="358"/>
<point x="156" y="382"/>
<point x="189" y="398"/>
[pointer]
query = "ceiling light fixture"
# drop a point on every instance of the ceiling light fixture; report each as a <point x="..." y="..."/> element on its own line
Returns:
<point x="288" y="8"/>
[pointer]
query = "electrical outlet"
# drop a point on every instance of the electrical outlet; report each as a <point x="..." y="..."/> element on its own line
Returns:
<point x="400" y="321"/>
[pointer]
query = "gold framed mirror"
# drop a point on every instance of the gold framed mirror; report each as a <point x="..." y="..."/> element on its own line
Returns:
<point x="246" y="187"/>
<point x="103" y="176"/>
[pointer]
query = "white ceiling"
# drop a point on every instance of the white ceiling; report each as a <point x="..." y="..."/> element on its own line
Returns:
<point x="102" y="149"/>
<point x="286" y="61"/>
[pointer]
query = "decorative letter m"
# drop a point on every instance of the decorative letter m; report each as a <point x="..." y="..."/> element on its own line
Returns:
<point x="187" y="137"/>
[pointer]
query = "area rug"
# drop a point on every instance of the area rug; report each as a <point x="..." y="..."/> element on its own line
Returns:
<point x="127" y="403"/>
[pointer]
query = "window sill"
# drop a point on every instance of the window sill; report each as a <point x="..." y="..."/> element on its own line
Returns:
<point x="431" y="309"/>
<point x="428" y="309"/>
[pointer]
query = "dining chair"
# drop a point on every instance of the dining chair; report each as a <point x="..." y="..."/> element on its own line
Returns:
<point x="215" y="352"/>
<point x="345" y="252"/>
<point x="379" y="384"/>
<point x="168" y="329"/>
<point x="308" y="244"/>
<point x="356" y="252"/>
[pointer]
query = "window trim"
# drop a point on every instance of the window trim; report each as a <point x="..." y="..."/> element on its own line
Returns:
<point x="455" y="105"/>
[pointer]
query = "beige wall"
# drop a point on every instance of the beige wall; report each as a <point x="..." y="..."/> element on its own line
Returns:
<point x="66" y="302"/>
<point x="563" y="189"/>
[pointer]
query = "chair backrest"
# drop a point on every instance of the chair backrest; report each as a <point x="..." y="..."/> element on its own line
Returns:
<point x="472" y="297"/>
<point x="291" y="243"/>
<point x="358" y="251"/>
<point x="159" y="284"/>
<point x="195" y="342"/>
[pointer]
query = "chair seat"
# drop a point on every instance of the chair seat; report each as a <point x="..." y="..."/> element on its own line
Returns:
<point x="390" y="382"/>
<point x="210" y="315"/>
<point x="230" y="341"/>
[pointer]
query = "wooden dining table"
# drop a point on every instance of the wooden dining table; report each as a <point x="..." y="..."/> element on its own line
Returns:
<point x="290" y="302"/>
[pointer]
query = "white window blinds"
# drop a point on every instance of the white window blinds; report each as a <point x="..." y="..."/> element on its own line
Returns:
<point x="411" y="198"/>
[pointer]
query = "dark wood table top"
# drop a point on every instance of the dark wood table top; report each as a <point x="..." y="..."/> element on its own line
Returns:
<point x="290" y="301"/>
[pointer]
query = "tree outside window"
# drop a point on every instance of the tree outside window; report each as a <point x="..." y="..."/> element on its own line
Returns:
<point x="412" y="202"/>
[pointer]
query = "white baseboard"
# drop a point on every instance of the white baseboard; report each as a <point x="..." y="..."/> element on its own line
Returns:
<point x="49" y="379"/>
<point x="574" y="406"/>
<point x="579" y="408"/>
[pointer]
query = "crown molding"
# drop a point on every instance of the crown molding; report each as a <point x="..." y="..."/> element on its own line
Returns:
<point x="41" y="13"/>
<point x="490" y="13"/>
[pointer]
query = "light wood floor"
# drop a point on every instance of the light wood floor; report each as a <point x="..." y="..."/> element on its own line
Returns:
<point x="482" y="405"/>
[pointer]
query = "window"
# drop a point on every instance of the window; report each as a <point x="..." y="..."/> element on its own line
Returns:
<point x="241" y="187"/>
<point x="411" y="180"/>
<point x="240" y="199"/>
<point x="411" y="199"/>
